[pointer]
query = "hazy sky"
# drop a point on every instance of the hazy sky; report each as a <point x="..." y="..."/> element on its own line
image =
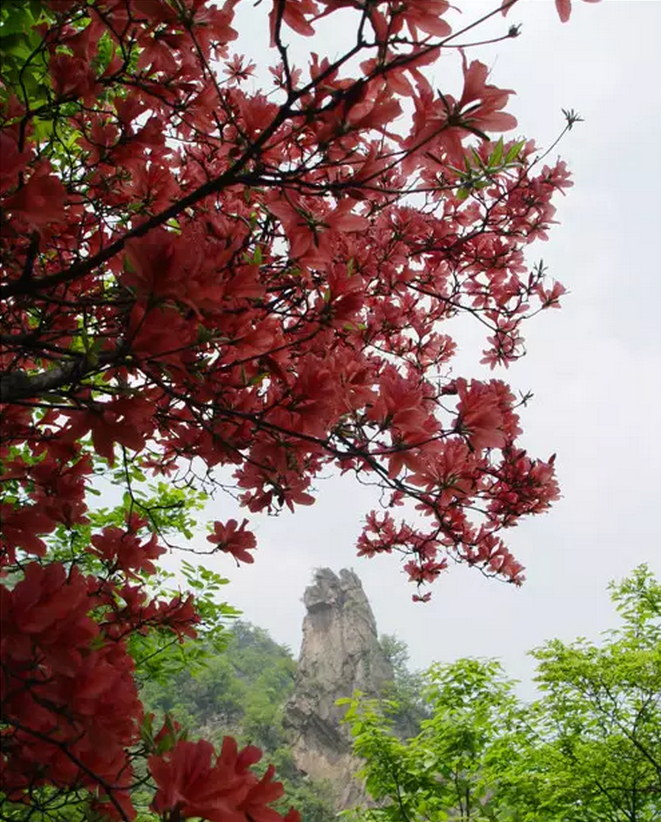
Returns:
<point x="593" y="367"/>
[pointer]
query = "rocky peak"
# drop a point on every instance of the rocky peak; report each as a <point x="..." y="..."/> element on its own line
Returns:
<point x="340" y="654"/>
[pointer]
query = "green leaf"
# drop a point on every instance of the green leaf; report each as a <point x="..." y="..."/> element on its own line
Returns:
<point x="496" y="154"/>
<point x="514" y="151"/>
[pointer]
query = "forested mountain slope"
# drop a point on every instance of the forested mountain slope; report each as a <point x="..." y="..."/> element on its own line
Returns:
<point x="243" y="692"/>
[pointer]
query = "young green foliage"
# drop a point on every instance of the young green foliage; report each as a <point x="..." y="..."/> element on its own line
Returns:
<point x="588" y="750"/>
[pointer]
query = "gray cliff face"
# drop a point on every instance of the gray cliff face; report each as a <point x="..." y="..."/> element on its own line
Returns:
<point x="340" y="654"/>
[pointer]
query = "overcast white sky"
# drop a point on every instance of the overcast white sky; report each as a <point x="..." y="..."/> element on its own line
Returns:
<point x="593" y="367"/>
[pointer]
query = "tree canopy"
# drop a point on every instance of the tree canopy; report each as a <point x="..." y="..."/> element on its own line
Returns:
<point x="588" y="750"/>
<point x="207" y="286"/>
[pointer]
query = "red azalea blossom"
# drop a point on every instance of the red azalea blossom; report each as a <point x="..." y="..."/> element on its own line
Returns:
<point x="191" y="783"/>
<point x="238" y="70"/>
<point x="234" y="539"/>
<point x="563" y="7"/>
<point x="39" y="201"/>
<point x="115" y="545"/>
<point x="21" y="527"/>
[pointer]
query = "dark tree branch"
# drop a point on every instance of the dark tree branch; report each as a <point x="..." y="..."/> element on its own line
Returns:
<point x="18" y="385"/>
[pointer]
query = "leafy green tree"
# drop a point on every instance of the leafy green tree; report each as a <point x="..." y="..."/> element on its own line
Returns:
<point x="438" y="774"/>
<point x="588" y="750"/>
<point x="405" y="692"/>
<point x="593" y="752"/>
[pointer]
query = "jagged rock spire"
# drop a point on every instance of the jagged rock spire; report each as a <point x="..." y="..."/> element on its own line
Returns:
<point x="340" y="654"/>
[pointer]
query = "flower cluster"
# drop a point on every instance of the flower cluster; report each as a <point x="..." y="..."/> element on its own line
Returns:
<point x="195" y="273"/>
